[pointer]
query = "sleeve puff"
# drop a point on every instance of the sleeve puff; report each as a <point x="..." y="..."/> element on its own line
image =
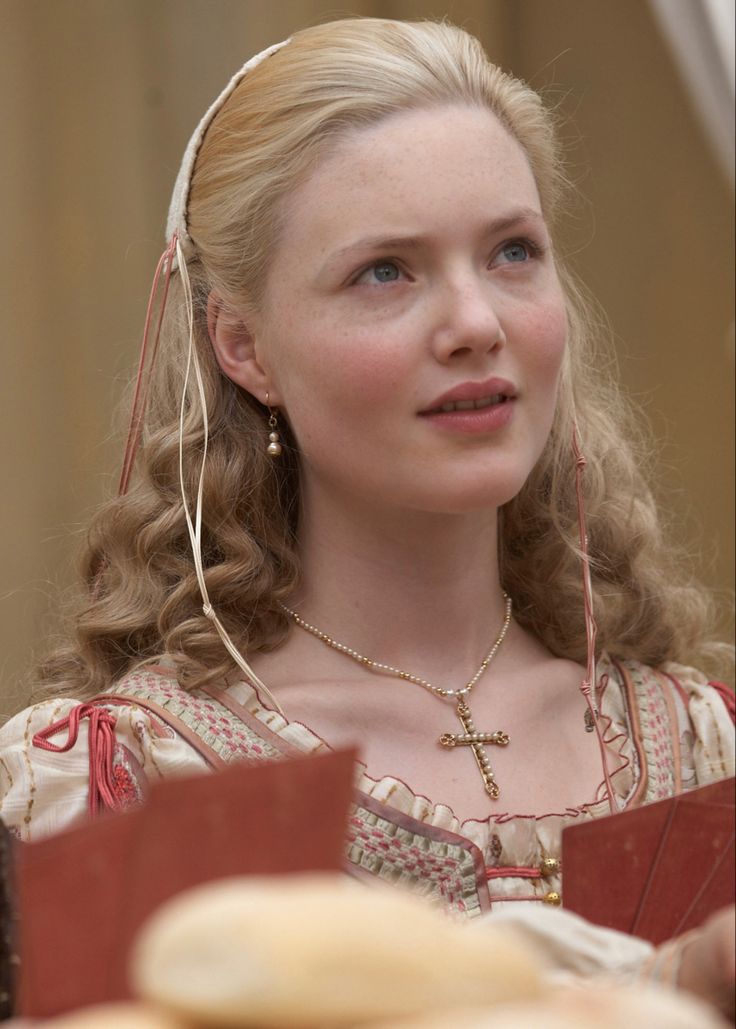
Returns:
<point x="710" y="711"/>
<point x="61" y="760"/>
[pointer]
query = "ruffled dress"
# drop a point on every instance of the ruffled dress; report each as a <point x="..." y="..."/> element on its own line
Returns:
<point x="666" y="731"/>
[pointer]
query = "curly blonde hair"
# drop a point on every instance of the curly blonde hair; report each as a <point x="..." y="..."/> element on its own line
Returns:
<point x="140" y="594"/>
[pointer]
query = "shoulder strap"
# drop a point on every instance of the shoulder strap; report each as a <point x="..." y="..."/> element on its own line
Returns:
<point x="212" y="727"/>
<point x="160" y="714"/>
<point x="655" y="731"/>
<point x="632" y="704"/>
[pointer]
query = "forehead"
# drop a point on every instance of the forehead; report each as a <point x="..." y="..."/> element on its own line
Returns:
<point x="426" y="169"/>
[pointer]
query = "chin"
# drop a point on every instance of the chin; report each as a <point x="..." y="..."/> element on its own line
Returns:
<point x="494" y="487"/>
<point x="480" y="495"/>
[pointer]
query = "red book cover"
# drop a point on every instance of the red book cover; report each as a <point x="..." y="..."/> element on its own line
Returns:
<point x="655" y="871"/>
<point x="83" y="894"/>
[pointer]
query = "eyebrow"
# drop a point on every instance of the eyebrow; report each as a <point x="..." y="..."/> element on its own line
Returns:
<point x="492" y="228"/>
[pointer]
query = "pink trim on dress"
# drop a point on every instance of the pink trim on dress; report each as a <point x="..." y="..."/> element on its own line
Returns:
<point x="501" y="898"/>
<point x="252" y="721"/>
<point x="675" y="731"/>
<point x="160" y="714"/>
<point x="103" y="787"/>
<point x="636" y="734"/>
<point x="512" y="872"/>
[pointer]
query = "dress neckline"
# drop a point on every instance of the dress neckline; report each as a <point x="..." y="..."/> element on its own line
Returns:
<point x="394" y="792"/>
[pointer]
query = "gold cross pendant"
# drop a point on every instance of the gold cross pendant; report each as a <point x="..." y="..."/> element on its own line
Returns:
<point x="476" y="741"/>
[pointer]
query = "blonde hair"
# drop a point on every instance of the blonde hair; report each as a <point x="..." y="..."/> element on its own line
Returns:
<point x="141" y="596"/>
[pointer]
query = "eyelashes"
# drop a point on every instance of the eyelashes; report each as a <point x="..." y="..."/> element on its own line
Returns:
<point x="531" y="247"/>
<point x="385" y="271"/>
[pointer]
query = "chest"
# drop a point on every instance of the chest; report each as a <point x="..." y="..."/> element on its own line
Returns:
<point x="549" y="764"/>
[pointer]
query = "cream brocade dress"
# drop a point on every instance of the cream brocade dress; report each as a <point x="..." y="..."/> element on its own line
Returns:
<point x="666" y="732"/>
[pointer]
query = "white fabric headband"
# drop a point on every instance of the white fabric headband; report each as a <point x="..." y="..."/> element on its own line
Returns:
<point x="177" y="220"/>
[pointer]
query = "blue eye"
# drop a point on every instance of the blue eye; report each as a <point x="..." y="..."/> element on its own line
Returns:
<point x="379" y="272"/>
<point x="517" y="251"/>
<point x="385" y="271"/>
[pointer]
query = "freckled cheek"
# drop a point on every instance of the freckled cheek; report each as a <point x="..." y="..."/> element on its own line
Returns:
<point x="336" y="384"/>
<point x="342" y="400"/>
<point x="358" y="371"/>
<point x="547" y="335"/>
<point x="373" y="378"/>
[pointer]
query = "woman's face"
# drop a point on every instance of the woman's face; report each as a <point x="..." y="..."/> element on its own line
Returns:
<point x="413" y="324"/>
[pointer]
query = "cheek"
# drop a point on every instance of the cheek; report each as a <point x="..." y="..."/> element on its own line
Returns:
<point x="336" y="384"/>
<point x="347" y="370"/>
<point x="546" y="330"/>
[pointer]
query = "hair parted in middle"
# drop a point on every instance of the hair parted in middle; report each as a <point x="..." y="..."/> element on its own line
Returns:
<point x="280" y="121"/>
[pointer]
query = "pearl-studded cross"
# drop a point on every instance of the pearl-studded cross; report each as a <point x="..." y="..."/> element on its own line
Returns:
<point x="476" y="741"/>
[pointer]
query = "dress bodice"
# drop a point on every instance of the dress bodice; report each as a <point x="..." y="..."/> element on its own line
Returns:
<point x="664" y="732"/>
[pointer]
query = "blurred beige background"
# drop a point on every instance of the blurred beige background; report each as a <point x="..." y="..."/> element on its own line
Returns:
<point x="98" y="98"/>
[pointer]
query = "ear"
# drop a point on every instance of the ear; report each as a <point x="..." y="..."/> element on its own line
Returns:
<point x="234" y="343"/>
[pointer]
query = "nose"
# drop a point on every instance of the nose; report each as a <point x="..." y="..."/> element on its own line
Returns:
<point x="468" y="319"/>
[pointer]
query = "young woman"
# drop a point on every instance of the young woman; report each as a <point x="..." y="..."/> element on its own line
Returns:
<point x="354" y="500"/>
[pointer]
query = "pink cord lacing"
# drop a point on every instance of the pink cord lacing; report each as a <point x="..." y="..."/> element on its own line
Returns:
<point x="101" y="745"/>
<point x="514" y="871"/>
<point x="140" y="395"/>
<point x="587" y="687"/>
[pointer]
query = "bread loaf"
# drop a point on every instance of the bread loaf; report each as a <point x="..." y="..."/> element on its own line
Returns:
<point x="585" y="1007"/>
<point x="319" y="950"/>
<point x="116" y="1016"/>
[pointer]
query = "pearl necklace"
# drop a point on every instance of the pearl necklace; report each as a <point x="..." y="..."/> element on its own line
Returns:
<point x="470" y="736"/>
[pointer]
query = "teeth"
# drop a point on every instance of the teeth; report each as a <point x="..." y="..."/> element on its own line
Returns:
<point x="470" y="405"/>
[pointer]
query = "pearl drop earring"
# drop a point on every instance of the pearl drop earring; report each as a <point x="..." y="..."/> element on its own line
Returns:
<point x="274" y="447"/>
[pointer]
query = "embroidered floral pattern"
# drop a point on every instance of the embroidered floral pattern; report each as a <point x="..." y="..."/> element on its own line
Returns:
<point x="446" y="871"/>
<point x="128" y="781"/>
<point x="395" y="833"/>
<point x="656" y="732"/>
<point x="213" y="723"/>
<point x="383" y="848"/>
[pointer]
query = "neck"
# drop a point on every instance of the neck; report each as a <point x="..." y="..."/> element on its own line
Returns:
<point x="413" y="589"/>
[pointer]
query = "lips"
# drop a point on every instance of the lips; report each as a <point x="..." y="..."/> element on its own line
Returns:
<point x="472" y="396"/>
<point x="470" y="405"/>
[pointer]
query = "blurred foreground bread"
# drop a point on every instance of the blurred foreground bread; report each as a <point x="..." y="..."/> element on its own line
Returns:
<point x="591" y="1007"/>
<point x="585" y="1007"/>
<point x="319" y="950"/>
<point x="116" y="1016"/>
